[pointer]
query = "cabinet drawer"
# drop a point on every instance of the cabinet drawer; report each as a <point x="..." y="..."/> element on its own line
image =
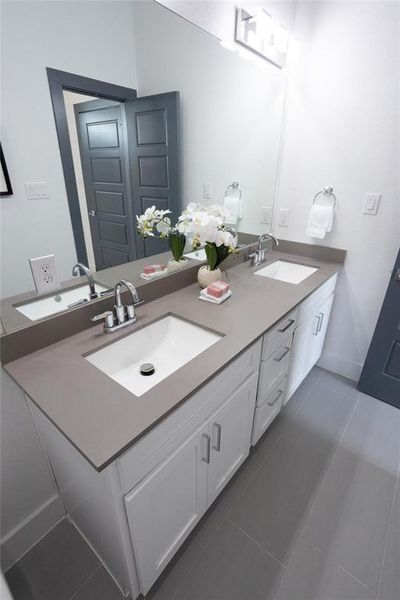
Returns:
<point x="268" y="409"/>
<point x="273" y="369"/>
<point x="162" y="440"/>
<point x="274" y="338"/>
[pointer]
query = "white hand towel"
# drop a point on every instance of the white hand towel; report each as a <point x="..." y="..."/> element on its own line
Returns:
<point x="233" y="208"/>
<point x="320" y="221"/>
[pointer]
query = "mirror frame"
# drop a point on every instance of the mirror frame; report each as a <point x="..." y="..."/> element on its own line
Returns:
<point x="58" y="82"/>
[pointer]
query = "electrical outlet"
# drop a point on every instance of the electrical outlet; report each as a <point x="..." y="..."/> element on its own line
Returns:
<point x="266" y="215"/>
<point x="44" y="273"/>
<point x="283" y="217"/>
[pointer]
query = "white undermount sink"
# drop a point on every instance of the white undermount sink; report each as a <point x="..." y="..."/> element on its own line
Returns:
<point x="197" y="255"/>
<point x="60" y="300"/>
<point x="167" y="344"/>
<point x="287" y="271"/>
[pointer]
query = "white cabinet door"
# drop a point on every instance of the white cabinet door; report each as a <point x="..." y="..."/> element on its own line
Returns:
<point x="164" y="508"/>
<point x="317" y="337"/>
<point x="308" y="342"/>
<point x="230" y="430"/>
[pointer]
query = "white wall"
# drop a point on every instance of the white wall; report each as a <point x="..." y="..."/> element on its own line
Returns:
<point x="30" y="504"/>
<point x="34" y="35"/>
<point x="230" y="113"/>
<point x="342" y="129"/>
<point x="61" y="35"/>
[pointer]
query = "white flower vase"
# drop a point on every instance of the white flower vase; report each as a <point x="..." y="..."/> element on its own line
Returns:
<point x="205" y="276"/>
<point x="175" y="265"/>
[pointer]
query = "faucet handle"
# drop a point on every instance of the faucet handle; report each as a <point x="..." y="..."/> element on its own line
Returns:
<point x="107" y="317"/>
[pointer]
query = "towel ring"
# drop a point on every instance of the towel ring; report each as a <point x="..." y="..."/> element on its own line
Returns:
<point x="234" y="186"/>
<point x="328" y="193"/>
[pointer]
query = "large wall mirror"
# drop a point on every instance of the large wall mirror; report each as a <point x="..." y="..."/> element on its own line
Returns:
<point x="127" y="105"/>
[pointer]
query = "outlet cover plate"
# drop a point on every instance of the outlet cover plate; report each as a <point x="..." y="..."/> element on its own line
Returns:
<point x="283" y="217"/>
<point x="44" y="273"/>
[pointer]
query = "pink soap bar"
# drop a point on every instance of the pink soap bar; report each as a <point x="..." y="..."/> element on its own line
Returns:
<point x="148" y="269"/>
<point x="217" y="289"/>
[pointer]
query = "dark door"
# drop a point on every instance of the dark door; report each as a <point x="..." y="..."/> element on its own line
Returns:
<point x="380" y="376"/>
<point x="154" y="154"/>
<point x="105" y="163"/>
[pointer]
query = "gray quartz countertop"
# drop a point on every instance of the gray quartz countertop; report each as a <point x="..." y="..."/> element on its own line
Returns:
<point x="101" y="418"/>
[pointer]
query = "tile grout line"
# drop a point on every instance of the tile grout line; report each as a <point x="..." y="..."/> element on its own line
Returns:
<point x="340" y="567"/>
<point x="370" y="461"/>
<point x="196" y="562"/>
<point x="75" y="594"/>
<point x="396" y="487"/>
<point x="264" y="550"/>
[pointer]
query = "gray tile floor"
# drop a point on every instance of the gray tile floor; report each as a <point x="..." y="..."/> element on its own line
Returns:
<point x="313" y="514"/>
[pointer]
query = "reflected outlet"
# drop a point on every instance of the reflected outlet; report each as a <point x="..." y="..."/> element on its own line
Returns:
<point x="44" y="273"/>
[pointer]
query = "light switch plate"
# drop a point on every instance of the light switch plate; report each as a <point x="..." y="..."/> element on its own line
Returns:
<point x="371" y="204"/>
<point x="36" y="190"/>
<point x="44" y="273"/>
<point x="207" y="191"/>
<point x="283" y="217"/>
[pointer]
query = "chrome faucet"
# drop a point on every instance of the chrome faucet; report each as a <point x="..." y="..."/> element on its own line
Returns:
<point x="258" y="256"/>
<point x="121" y="315"/>
<point x="76" y="270"/>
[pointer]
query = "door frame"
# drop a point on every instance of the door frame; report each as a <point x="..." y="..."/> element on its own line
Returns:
<point x="58" y="82"/>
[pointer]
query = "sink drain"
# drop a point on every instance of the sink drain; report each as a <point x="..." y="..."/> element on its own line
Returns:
<point x="147" y="369"/>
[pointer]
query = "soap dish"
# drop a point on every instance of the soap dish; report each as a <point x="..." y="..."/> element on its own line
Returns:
<point x="155" y="275"/>
<point x="212" y="299"/>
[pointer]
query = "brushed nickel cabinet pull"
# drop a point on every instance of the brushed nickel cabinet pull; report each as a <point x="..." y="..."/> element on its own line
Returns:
<point x="217" y="445"/>
<point x="321" y="320"/>
<point x="282" y="355"/>
<point x="316" y="325"/>
<point x="275" y="400"/>
<point x="289" y="323"/>
<point x="206" y="458"/>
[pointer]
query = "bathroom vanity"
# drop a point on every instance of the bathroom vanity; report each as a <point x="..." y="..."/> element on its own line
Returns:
<point x="137" y="470"/>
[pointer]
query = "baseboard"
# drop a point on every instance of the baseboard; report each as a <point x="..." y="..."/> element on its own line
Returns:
<point x="20" y="539"/>
<point x="340" y="365"/>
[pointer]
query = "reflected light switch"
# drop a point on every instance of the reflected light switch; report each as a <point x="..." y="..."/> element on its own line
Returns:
<point x="207" y="191"/>
<point x="36" y="190"/>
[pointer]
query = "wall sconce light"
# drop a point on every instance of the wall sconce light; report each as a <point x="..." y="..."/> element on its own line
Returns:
<point x="262" y="34"/>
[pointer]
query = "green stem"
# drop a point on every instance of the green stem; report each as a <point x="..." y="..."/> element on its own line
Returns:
<point x="177" y="242"/>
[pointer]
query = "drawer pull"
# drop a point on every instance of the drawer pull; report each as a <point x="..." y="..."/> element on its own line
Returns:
<point x="206" y="458"/>
<point x="275" y="400"/>
<point x="321" y="320"/>
<point x="285" y="327"/>
<point x="282" y="355"/>
<point x="217" y="445"/>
